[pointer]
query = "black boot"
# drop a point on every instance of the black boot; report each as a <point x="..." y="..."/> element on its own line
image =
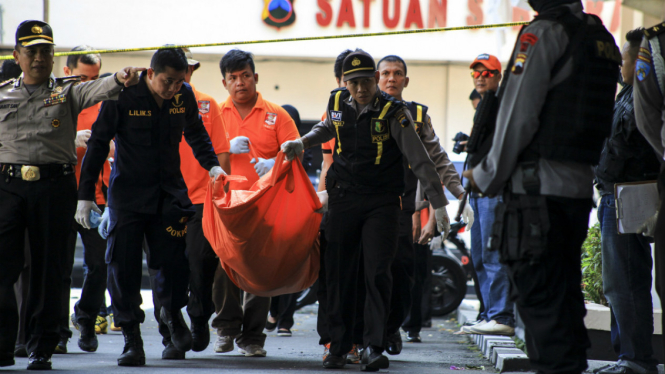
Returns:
<point x="88" y="339"/>
<point x="394" y="346"/>
<point x="200" y="334"/>
<point x="6" y="359"/>
<point x="132" y="354"/>
<point x="39" y="361"/>
<point x="180" y="334"/>
<point x="373" y="360"/>
<point x="170" y="352"/>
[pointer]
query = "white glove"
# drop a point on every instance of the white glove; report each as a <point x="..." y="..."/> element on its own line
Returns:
<point x="467" y="215"/>
<point x="216" y="171"/>
<point x="323" y="198"/>
<point x="442" y="221"/>
<point x="239" y="144"/>
<point x="648" y="228"/>
<point x="82" y="138"/>
<point x="83" y="212"/>
<point x="263" y="166"/>
<point x="292" y="148"/>
<point x="104" y="225"/>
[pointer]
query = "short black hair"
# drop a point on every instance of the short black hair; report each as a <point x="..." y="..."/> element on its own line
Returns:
<point x="339" y="62"/>
<point x="392" y="58"/>
<point x="10" y="69"/>
<point x="172" y="57"/>
<point x="89" y="59"/>
<point x="634" y="39"/>
<point x="235" y="60"/>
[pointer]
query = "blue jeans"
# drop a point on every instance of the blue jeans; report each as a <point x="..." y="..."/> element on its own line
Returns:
<point x="627" y="267"/>
<point x="492" y="275"/>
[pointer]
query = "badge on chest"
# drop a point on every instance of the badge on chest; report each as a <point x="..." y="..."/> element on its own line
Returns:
<point x="380" y="130"/>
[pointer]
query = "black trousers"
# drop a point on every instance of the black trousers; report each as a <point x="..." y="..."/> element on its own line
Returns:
<point x="203" y="262"/>
<point x="420" y="295"/>
<point x="94" y="280"/>
<point x="282" y="308"/>
<point x="355" y="219"/>
<point x="165" y="236"/>
<point x="659" y="250"/>
<point x="403" y="271"/>
<point x="22" y="290"/>
<point x="549" y="295"/>
<point x="46" y="209"/>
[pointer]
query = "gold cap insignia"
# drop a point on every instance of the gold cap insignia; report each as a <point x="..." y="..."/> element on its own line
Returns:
<point x="58" y="90"/>
<point x="355" y="62"/>
<point x="55" y="123"/>
<point x="36" y="29"/>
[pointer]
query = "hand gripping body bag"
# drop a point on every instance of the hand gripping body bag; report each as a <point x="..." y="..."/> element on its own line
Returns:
<point x="266" y="237"/>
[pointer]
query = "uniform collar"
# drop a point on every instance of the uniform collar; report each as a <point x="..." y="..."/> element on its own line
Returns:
<point x="260" y="103"/>
<point x="50" y="82"/>
<point x="372" y="106"/>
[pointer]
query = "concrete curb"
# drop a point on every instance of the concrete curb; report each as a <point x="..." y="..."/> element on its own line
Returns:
<point x="500" y="350"/>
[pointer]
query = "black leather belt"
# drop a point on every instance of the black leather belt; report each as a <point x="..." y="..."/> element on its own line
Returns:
<point x="33" y="173"/>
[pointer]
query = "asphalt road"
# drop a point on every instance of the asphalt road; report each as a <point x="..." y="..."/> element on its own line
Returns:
<point x="300" y="353"/>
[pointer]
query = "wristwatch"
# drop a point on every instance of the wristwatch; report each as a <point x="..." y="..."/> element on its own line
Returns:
<point x="115" y="78"/>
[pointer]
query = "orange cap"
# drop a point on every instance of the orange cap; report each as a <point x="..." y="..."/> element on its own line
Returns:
<point x="488" y="61"/>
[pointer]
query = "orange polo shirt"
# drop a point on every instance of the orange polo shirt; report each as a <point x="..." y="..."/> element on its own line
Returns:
<point x="86" y="119"/>
<point x="327" y="147"/>
<point x="196" y="177"/>
<point x="267" y="126"/>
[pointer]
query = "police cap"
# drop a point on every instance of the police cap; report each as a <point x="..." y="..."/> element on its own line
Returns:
<point x="33" y="32"/>
<point x="358" y="64"/>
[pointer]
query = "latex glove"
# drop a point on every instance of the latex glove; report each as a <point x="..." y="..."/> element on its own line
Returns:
<point x="239" y="144"/>
<point x="323" y="198"/>
<point x="215" y="172"/>
<point x="442" y="221"/>
<point x="467" y="215"/>
<point x="292" y="148"/>
<point x="82" y="138"/>
<point x="104" y="225"/>
<point x="83" y="209"/>
<point x="262" y="166"/>
<point x="648" y="228"/>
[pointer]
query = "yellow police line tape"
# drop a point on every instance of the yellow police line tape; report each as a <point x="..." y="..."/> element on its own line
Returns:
<point x="308" y="38"/>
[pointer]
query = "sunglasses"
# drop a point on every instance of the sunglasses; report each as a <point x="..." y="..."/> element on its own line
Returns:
<point x="485" y="73"/>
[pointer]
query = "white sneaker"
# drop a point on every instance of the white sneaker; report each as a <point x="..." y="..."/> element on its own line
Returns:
<point x="224" y="344"/>
<point x="465" y="329"/>
<point x="252" y="350"/>
<point x="491" y="328"/>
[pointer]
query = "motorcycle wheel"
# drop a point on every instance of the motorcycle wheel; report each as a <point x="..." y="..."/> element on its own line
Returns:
<point x="448" y="285"/>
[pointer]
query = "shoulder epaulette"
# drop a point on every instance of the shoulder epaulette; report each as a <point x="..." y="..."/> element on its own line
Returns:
<point x="72" y="78"/>
<point x="338" y="89"/>
<point x="8" y="81"/>
<point x="655" y="30"/>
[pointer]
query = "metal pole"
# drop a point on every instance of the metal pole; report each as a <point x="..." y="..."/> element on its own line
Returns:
<point x="46" y="6"/>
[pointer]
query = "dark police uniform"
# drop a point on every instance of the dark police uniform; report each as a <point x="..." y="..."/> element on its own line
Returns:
<point x="147" y="195"/>
<point x="556" y="111"/>
<point x="38" y="193"/>
<point x="364" y="185"/>
<point x="403" y="267"/>
<point x="650" y="117"/>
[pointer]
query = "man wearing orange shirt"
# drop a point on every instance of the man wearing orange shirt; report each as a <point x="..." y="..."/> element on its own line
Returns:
<point x="203" y="261"/>
<point x="93" y="291"/>
<point x="259" y="125"/>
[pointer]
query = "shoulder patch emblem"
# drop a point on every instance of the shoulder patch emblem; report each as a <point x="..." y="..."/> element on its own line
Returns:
<point x="642" y="69"/>
<point x="204" y="106"/>
<point x="527" y="40"/>
<point x="401" y="118"/>
<point x="518" y="66"/>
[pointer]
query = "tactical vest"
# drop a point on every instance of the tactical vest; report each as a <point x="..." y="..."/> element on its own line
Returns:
<point x="577" y="115"/>
<point x="626" y="156"/>
<point x="419" y="114"/>
<point x="366" y="157"/>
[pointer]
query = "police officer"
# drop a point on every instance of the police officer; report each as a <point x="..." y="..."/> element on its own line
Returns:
<point x="556" y="111"/>
<point x="627" y="262"/>
<point x="37" y="184"/>
<point x="147" y="196"/>
<point x="393" y="80"/>
<point x="650" y="117"/>
<point x="374" y="131"/>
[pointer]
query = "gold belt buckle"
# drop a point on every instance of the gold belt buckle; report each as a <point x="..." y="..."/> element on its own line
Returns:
<point x="30" y="173"/>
